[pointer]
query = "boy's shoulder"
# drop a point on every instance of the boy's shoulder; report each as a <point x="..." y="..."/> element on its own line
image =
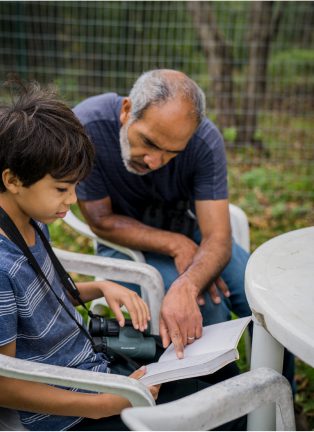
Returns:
<point x="11" y="257"/>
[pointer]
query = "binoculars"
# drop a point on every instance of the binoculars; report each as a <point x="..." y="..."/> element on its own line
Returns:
<point x="108" y="335"/>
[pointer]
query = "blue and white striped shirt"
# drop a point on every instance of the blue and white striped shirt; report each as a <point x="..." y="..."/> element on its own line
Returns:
<point x="31" y="315"/>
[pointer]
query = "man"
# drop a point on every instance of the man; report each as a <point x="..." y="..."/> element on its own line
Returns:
<point x="153" y="149"/>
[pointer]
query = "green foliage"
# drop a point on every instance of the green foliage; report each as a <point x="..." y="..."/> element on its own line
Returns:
<point x="230" y="134"/>
<point x="67" y="87"/>
<point x="64" y="237"/>
<point x="305" y="390"/>
<point x="295" y="66"/>
<point x="104" y="311"/>
<point x="84" y="312"/>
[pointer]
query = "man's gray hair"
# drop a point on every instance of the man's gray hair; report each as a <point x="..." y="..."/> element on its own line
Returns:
<point x="158" y="86"/>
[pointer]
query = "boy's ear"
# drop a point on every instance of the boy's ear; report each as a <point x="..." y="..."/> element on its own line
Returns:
<point x="11" y="181"/>
<point x="125" y="110"/>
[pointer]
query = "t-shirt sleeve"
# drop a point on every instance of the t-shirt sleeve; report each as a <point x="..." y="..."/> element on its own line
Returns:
<point x="8" y="311"/>
<point x="210" y="179"/>
<point x="93" y="187"/>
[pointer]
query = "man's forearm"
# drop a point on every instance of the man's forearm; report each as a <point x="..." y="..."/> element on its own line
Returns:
<point x="131" y="233"/>
<point x="210" y="259"/>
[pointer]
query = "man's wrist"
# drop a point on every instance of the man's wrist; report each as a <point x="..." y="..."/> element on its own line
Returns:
<point x="171" y="243"/>
<point x="184" y="280"/>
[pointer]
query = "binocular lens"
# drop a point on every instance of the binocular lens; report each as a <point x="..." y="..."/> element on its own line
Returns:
<point x="101" y="326"/>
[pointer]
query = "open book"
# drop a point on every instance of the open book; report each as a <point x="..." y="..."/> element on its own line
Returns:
<point x="215" y="349"/>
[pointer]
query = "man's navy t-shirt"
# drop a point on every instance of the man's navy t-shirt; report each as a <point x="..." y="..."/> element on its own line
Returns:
<point x="198" y="173"/>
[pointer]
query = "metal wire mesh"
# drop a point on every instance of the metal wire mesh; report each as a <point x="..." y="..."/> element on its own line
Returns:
<point x="255" y="64"/>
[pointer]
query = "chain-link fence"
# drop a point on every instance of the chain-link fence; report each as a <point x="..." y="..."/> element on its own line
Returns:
<point x="254" y="60"/>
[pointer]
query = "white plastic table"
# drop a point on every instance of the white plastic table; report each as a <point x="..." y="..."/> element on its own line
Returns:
<point x="279" y="284"/>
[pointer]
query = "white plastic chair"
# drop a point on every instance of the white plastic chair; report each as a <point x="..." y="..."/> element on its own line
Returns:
<point x="218" y="404"/>
<point x="82" y="228"/>
<point x="152" y="288"/>
<point x="240" y="226"/>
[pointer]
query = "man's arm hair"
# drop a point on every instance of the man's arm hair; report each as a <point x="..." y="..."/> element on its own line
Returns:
<point x="214" y="251"/>
<point x="127" y="231"/>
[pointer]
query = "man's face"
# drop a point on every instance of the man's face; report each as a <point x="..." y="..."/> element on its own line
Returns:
<point x="160" y="135"/>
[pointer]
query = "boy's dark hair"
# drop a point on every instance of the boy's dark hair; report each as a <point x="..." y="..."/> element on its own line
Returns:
<point x="39" y="135"/>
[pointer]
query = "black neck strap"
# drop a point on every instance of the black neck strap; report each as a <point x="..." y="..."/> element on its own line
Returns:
<point x="15" y="236"/>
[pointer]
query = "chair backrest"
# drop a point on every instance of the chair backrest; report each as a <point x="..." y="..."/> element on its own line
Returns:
<point x="149" y="279"/>
<point x="82" y="228"/>
<point x="218" y="404"/>
<point x="240" y="227"/>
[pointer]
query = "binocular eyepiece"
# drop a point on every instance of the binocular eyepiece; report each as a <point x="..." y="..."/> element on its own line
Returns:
<point x="100" y="326"/>
<point x="107" y="333"/>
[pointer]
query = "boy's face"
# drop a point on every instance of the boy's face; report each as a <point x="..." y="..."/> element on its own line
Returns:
<point x="48" y="199"/>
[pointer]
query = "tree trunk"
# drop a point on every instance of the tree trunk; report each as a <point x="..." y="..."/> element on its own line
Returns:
<point x="263" y="27"/>
<point x="219" y="60"/>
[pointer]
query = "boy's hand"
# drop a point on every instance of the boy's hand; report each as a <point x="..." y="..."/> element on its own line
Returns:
<point x="117" y="296"/>
<point x="141" y="372"/>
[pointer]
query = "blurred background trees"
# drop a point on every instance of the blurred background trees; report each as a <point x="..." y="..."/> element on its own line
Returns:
<point x="254" y="60"/>
<point x="264" y="19"/>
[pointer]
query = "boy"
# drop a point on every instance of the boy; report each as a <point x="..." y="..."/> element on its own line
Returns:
<point x="44" y="153"/>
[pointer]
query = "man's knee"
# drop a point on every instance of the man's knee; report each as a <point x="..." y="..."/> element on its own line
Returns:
<point x="214" y="313"/>
<point x="233" y="275"/>
<point x="238" y="261"/>
<point x="165" y="265"/>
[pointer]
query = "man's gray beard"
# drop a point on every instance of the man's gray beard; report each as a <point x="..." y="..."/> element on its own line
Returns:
<point x="126" y="149"/>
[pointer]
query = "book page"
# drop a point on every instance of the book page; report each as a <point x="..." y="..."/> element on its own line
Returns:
<point x="215" y="349"/>
<point x="158" y="373"/>
<point x="180" y="364"/>
<point x="215" y="338"/>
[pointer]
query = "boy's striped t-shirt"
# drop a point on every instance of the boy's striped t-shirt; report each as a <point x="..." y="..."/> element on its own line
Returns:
<point x="31" y="315"/>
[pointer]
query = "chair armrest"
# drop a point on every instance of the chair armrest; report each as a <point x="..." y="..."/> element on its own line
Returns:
<point x="149" y="279"/>
<point x="132" y="389"/>
<point x="218" y="404"/>
<point x="82" y="228"/>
